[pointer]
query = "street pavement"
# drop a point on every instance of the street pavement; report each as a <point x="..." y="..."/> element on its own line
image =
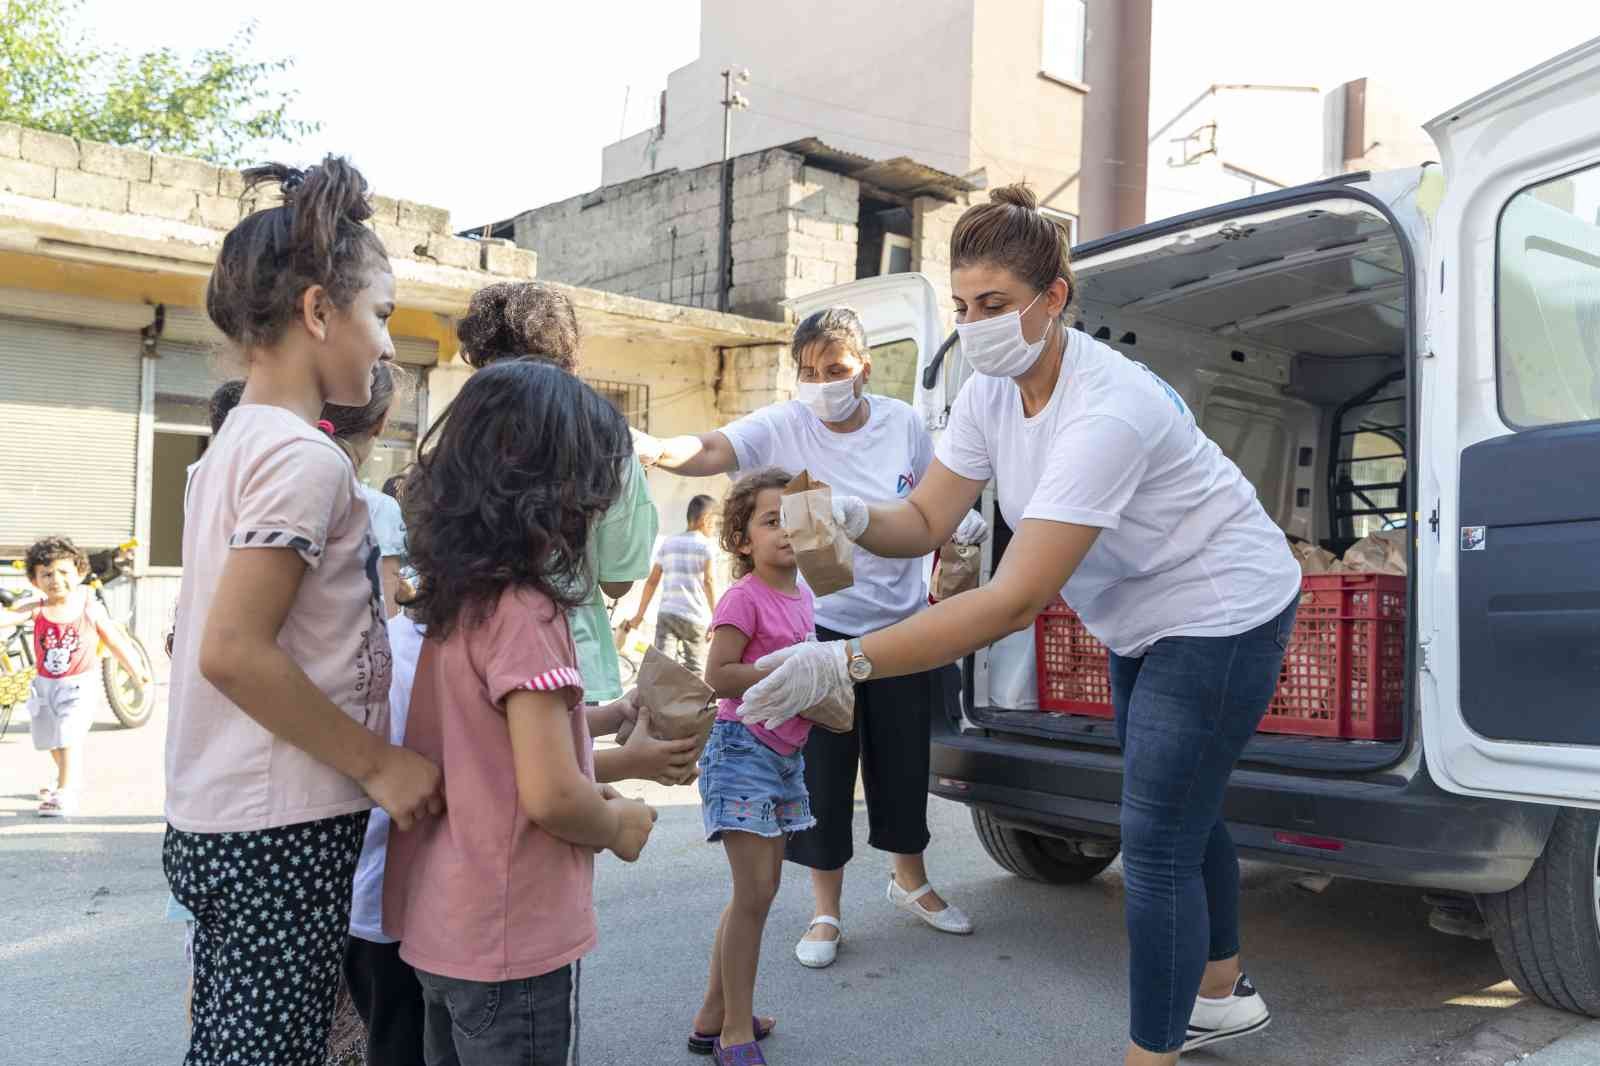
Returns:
<point x="91" y="973"/>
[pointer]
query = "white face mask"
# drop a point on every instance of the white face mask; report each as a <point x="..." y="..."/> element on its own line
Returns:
<point x="996" y="347"/>
<point x="832" y="401"/>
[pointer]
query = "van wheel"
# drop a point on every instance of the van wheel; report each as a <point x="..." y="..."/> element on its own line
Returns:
<point x="1547" y="929"/>
<point x="1036" y="856"/>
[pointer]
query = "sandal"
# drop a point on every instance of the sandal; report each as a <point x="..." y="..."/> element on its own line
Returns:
<point x="738" y="1055"/>
<point x="705" y="1043"/>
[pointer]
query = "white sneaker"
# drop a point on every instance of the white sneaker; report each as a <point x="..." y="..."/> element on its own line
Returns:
<point x="1239" y="1014"/>
<point x="818" y="954"/>
<point x="949" y="920"/>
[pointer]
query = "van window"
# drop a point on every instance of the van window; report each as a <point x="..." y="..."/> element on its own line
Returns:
<point x="894" y="370"/>
<point x="1548" y="302"/>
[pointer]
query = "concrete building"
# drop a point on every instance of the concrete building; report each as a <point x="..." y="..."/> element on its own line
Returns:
<point x="107" y="358"/>
<point x="989" y="90"/>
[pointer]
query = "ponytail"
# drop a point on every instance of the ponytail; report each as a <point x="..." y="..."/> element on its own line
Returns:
<point x="316" y="236"/>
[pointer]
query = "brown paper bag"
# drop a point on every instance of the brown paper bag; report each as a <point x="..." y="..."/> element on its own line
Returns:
<point x="1312" y="559"/>
<point x="957" y="571"/>
<point x="681" y="704"/>
<point x="835" y="715"/>
<point x="825" y="554"/>
<point x="1378" y="553"/>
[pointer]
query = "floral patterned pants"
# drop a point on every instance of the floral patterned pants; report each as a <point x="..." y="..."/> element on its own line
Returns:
<point x="271" y="909"/>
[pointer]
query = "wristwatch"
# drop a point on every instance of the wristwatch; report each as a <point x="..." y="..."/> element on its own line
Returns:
<point x="860" y="666"/>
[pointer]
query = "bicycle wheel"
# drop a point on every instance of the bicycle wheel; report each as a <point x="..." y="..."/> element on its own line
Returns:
<point x="130" y="701"/>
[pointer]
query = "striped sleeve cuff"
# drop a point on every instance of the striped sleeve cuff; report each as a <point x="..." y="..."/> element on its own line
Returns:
<point x="553" y="680"/>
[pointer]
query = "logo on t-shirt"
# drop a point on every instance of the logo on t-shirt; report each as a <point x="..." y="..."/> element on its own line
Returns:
<point x="907" y="482"/>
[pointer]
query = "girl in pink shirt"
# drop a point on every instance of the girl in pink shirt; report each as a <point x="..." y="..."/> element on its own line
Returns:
<point x="752" y="779"/>
<point x="493" y="903"/>
<point x="277" y="744"/>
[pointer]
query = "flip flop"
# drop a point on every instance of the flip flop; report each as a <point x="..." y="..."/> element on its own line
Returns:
<point x="738" y="1054"/>
<point x="705" y="1043"/>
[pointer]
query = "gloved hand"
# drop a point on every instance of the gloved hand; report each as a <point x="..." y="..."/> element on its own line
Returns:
<point x="850" y="512"/>
<point x="972" y="530"/>
<point x="646" y="448"/>
<point x="803" y="675"/>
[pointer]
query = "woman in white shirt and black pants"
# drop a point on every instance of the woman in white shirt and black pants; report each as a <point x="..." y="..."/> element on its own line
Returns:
<point x="1123" y="506"/>
<point x="865" y="446"/>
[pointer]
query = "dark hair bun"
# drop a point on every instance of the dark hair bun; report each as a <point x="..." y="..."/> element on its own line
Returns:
<point x="1018" y="195"/>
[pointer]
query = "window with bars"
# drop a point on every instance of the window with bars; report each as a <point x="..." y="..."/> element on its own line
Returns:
<point x="631" y="399"/>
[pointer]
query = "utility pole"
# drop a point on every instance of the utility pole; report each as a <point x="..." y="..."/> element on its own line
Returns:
<point x="731" y="101"/>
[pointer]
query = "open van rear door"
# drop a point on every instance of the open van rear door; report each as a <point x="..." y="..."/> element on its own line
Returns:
<point x="1509" y="574"/>
<point x="904" y="330"/>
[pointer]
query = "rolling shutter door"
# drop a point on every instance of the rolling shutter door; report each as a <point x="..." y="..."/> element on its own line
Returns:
<point x="69" y="422"/>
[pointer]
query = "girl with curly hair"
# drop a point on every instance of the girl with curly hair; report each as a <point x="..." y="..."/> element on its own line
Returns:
<point x="500" y="510"/>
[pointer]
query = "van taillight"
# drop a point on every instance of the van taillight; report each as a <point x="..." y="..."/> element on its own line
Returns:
<point x="1305" y="840"/>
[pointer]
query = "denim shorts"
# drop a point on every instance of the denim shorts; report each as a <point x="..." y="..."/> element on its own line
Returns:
<point x="747" y="787"/>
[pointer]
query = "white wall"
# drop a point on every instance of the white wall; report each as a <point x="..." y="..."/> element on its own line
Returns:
<point x="881" y="80"/>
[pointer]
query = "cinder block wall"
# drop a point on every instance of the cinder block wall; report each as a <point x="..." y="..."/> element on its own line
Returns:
<point x="794" y="232"/>
<point x="126" y="181"/>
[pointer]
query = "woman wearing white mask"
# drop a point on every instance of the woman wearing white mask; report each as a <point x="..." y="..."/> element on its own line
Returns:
<point x="1122" y="505"/>
<point x="863" y="446"/>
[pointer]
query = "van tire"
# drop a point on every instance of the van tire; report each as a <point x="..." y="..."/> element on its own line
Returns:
<point x="1546" y="930"/>
<point x="1034" y="855"/>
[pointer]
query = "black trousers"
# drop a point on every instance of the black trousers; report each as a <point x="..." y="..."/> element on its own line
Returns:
<point x="889" y="743"/>
<point x="388" y="997"/>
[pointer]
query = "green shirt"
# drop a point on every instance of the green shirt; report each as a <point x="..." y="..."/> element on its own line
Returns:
<point x="619" y="550"/>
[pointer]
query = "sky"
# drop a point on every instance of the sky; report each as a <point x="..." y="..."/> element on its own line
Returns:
<point x="491" y="108"/>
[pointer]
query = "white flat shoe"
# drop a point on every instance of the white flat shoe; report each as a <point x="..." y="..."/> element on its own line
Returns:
<point x="818" y="954"/>
<point x="949" y="920"/>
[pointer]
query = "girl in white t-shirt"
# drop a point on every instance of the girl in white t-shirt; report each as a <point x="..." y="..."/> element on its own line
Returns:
<point x="277" y="742"/>
<point x="1121" y="504"/>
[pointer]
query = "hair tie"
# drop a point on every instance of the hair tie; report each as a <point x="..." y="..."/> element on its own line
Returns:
<point x="292" y="182"/>
<point x="326" y="426"/>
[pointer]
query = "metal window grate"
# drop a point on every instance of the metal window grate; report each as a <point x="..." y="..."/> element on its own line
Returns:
<point x="632" y="400"/>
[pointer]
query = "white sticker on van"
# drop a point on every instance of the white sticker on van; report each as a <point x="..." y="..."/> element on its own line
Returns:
<point x="1474" y="538"/>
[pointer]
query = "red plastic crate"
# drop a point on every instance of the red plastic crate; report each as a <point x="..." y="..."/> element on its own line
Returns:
<point x="1345" y="671"/>
<point x="1073" y="667"/>
<point x="1344" y="674"/>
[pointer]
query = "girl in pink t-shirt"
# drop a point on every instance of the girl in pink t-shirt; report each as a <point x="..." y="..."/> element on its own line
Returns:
<point x="752" y="779"/>
<point x="493" y="904"/>
<point x="277" y="744"/>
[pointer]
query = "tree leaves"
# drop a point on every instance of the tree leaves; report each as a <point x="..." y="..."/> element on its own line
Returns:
<point x="216" y="104"/>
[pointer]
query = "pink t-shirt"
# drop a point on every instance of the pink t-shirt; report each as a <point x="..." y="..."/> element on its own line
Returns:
<point x="482" y="893"/>
<point x="771" y="620"/>
<point x="269" y="480"/>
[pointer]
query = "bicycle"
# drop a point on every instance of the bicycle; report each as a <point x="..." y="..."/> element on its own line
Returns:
<point x="630" y="647"/>
<point x="131" y="702"/>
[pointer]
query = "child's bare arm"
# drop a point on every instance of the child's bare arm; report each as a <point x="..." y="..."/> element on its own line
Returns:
<point x="553" y="791"/>
<point x="726" y="675"/>
<point x="240" y="655"/>
<point x="117" y="640"/>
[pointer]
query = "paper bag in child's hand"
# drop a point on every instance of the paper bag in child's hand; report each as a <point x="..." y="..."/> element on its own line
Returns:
<point x="957" y="571"/>
<point x="681" y="705"/>
<point x="825" y="554"/>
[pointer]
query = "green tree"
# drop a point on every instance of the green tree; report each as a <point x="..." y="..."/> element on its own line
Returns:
<point x="216" y="104"/>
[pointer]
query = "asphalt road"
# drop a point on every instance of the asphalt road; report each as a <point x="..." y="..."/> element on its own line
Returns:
<point x="91" y="973"/>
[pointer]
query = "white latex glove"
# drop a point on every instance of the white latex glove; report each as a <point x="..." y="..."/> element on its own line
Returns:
<point x="850" y="512"/>
<point x="972" y="530"/>
<point x="646" y="448"/>
<point x="803" y="675"/>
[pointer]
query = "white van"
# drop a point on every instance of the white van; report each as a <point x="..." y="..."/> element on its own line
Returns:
<point x="1412" y="350"/>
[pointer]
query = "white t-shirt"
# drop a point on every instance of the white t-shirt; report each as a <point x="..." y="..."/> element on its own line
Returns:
<point x="883" y="460"/>
<point x="388" y="527"/>
<point x="1185" y="549"/>
<point x="366" y="900"/>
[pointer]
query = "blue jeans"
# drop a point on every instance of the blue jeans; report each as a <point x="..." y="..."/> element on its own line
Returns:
<point x="528" y="1022"/>
<point x="1185" y="712"/>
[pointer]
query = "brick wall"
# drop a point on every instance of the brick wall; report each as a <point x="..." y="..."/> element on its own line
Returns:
<point x="105" y="177"/>
<point x="794" y="232"/>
